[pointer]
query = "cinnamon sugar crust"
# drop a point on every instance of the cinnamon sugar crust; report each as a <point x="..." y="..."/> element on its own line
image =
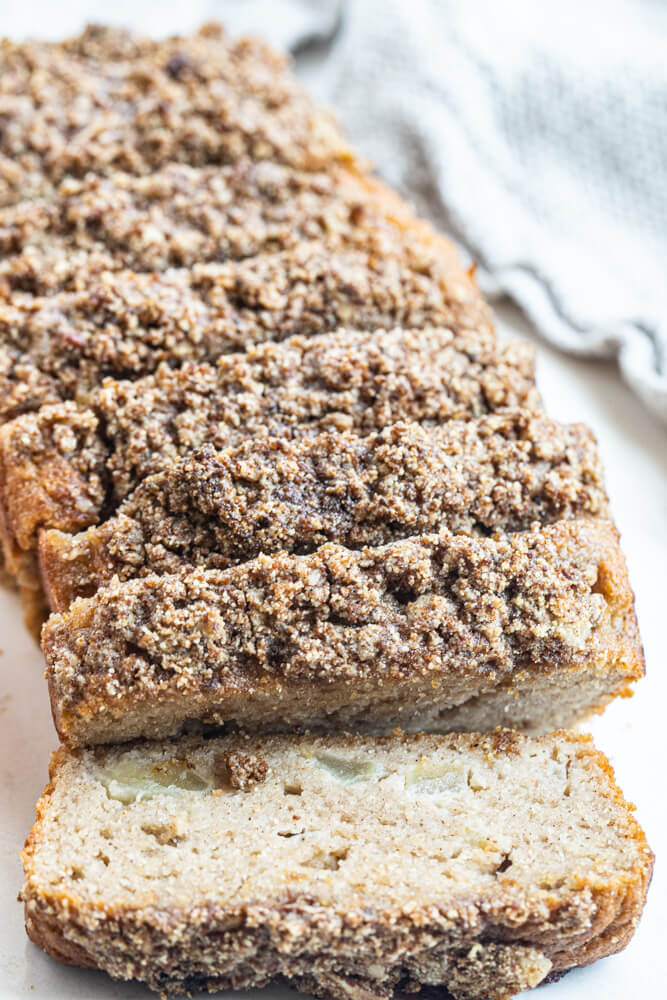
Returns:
<point x="60" y="467"/>
<point x="180" y="216"/>
<point x="125" y="324"/>
<point x="216" y="508"/>
<point x="386" y="636"/>
<point x="108" y="101"/>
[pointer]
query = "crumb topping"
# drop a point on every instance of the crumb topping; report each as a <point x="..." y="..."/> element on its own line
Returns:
<point x="441" y="605"/>
<point x="108" y="101"/>
<point x="217" y="508"/>
<point x="125" y="324"/>
<point x="348" y="381"/>
<point x="182" y="215"/>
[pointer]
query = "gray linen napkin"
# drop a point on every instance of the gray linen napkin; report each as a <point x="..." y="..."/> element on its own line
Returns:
<point x="535" y="132"/>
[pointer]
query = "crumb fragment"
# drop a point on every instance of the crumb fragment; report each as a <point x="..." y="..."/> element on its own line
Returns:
<point x="245" y="770"/>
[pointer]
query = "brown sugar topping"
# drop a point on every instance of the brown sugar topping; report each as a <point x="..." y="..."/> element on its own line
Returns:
<point x="217" y="508"/>
<point x="63" y="464"/>
<point x="182" y="215"/>
<point x="108" y="101"/>
<point x="125" y="324"/>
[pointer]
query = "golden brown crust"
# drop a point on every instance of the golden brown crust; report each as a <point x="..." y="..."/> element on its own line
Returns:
<point x="358" y="630"/>
<point x="51" y="465"/>
<point x="215" y="509"/>
<point x="49" y="935"/>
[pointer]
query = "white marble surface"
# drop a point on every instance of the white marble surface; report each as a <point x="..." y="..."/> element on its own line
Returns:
<point x="632" y="731"/>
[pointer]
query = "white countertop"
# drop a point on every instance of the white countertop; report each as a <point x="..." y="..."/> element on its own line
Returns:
<point x="634" y="449"/>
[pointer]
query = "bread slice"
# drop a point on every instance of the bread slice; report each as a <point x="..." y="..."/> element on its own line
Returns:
<point x="182" y="215"/>
<point x="60" y="466"/>
<point x="125" y="324"/>
<point x="215" y="508"/>
<point x="353" y="867"/>
<point x="108" y="101"/>
<point x="441" y="632"/>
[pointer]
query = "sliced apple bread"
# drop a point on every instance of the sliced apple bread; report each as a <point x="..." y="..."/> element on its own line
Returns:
<point x="352" y="867"/>
<point x="535" y="630"/>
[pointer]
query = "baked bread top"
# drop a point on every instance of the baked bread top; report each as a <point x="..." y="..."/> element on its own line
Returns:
<point x="182" y="215"/>
<point x="60" y="466"/>
<point x="108" y="101"/>
<point x="215" y="508"/>
<point x="124" y="324"/>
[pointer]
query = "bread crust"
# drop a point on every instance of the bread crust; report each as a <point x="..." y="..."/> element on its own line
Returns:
<point x="487" y="946"/>
<point x="342" y="638"/>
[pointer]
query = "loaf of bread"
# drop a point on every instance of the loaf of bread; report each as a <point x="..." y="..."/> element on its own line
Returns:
<point x="260" y="441"/>
<point x="108" y="101"/>
<point x="181" y="215"/>
<point x="59" y="466"/>
<point x="535" y="629"/>
<point x="215" y="508"/>
<point x="352" y="867"/>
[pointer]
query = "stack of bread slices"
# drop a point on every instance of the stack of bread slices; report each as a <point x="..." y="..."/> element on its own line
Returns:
<point x="319" y="579"/>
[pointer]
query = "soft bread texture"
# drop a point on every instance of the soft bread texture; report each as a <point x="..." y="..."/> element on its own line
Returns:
<point x="124" y="324"/>
<point x="217" y="508"/>
<point x="61" y="465"/>
<point x="108" y="101"/>
<point x="535" y="629"/>
<point x="182" y="215"/>
<point x="353" y="867"/>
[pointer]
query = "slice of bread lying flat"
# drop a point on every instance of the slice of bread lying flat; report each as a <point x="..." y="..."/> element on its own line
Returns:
<point x="356" y="868"/>
<point x="533" y="630"/>
<point x="218" y="508"/>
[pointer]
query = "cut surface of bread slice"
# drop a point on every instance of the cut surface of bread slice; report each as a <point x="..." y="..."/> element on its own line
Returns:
<point x="182" y="215"/>
<point x="534" y="629"/>
<point x="108" y="101"/>
<point x="124" y="324"/>
<point x="215" y="508"/>
<point x="60" y="466"/>
<point x="354" y="867"/>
